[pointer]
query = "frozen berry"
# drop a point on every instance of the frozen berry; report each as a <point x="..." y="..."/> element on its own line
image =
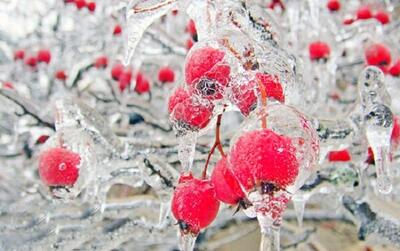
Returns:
<point x="319" y="50"/>
<point x="383" y="17"/>
<point x="174" y="12"/>
<point x="364" y="12"/>
<point x="226" y="186"/>
<point x="142" y="84"/>
<point x="91" y="6"/>
<point x="101" y="62"/>
<point x="206" y="73"/>
<point x="31" y="61"/>
<point x="245" y="98"/>
<point x="117" y="30"/>
<point x="117" y="70"/>
<point x="333" y="5"/>
<point x="378" y="54"/>
<point x="166" y="75"/>
<point x="80" y="4"/>
<point x="262" y="157"/>
<point x="44" y="56"/>
<point x="395" y="69"/>
<point x="59" y="167"/>
<point x="194" y="205"/>
<point x="348" y="21"/>
<point x="339" y="156"/>
<point x="60" y="75"/>
<point x="124" y="80"/>
<point x="184" y="110"/>
<point x="19" y="55"/>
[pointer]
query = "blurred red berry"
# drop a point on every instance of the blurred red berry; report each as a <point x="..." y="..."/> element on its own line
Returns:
<point x="378" y="54"/>
<point x="166" y="75"/>
<point x="194" y="205"/>
<point x="42" y="139"/>
<point x="174" y="12"/>
<point x="44" y="56"/>
<point x="8" y="85"/>
<point x="383" y="17"/>
<point x="19" y="55"/>
<point x="191" y="28"/>
<point x="60" y="75"/>
<point x="101" y="62"/>
<point x="319" y="50"/>
<point x="142" y="84"/>
<point x="124" y="80"/>
<point x="333" y="5"/>
<point x="117" y="30"/>
<point x="91" y="6"/>
<point x="364" y="12"/>
<point x="80" y="4"/>
<point x="395" y="69"/>
<point x="189" y="44"/>
<point x="348" y="21"/>
<point x="31" y="61"/>
<point x="339" y="156"/>
<point x="59" y="167"/>
<point x="117" y="70"/>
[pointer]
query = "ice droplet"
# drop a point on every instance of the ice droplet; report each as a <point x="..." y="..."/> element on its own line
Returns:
<point x="140" y="15"/>
<point x="270" y="234"/>
<point x="187" y="241"/>
<point x="186" y="150"/>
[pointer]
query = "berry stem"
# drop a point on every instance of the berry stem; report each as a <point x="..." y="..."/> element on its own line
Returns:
<point x="217" y="144"/>
<point x="152" y="8"/>
<point x="263" y="103"/>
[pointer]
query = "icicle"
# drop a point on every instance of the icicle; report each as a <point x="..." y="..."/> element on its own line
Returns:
<point x="187" y="241"/>
<point x="270" y="234"/>
<point x="299" y="202"/>
<point x="186" y="150"/>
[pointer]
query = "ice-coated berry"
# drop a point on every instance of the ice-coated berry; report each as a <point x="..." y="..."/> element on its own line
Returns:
<point x="333" y="5"/>
<point x="124" y="80"/>
<point x="61" y="75"/>
<point x="194" y="205"/>
<point x="80" y="4"/>
<point x="348" y="21"/>
<point x="166" y="75"/>
<point x="91" y="6"/>
<point x="44" y="56"/>
<point x="101" y="62"/>
<point x="382" y="16"/>
<point x="395" y="69"/>
<point x="142" y="84"/>
<point x="319" y="50"/>
<point x="378" y="54"/>
<point x="339" y="156"/>
<point x="117" y="30"/>
<point x="206" y="73"/>
<point x="19" y="55"/>
<point x="59" y="167"/>
<point x="117" y="70"/>
<point x="184" y="110"/>
<point x="245" y="98"/>
<point x="31" y="61"/>
<point x="364" y="12"/>
<point x="226" y="186"/>
<point x="264" y="157"/>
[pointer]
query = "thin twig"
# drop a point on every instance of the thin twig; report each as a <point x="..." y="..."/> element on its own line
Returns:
<point x="154" y="7"/>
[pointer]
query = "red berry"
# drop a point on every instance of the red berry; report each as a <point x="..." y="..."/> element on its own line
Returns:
<point x="184" y="110"/>
<point x="142" y="84"/>
<point x="8" y="85"/>
<point x="364" y="12"/>
<point x="117" y="70"/>
<point x="262" y="156"/>
<point x="226" y="186"/>
<point x="370" y="159"/>
<point x="339" y="156"/>
<point x="245" y="98"/>
<point x="59" y="167"/>
<point x="378" y="54"/>
<point x="333" y="5"/>
<point x="60" y="75"/>
<point x="166" y="75"/>
<point x="194" y="205"/>
<point x="276" y="3"/>
<point x="191" y="28"/>
<point x="395" y="69"/>
<point x="124" y="80"/>
<point x="206" y="73"/>
<point x="80" y="4"/>
<point x="19" y="55"/>
<point x="319" y="50"/>
<point x="382" y="17"/>
<point x="117" y="30"/>
<point x="101" y="62"/>
<point x="91" y="6"/>
<point x="31" y="61"/>
<point x="42" y="139"/>
<point x="348" y="21"/>
<point x="174" y="12"/>
<point x="189" y="44"/>
<point x="44" y="56"/>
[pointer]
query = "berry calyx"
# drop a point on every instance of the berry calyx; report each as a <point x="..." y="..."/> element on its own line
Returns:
<point x="142" y="84"/>
<point x="31" y="61"/>
<point x="364" y="12"/>
<point x="60" y="75"/>
<point x="186" y="111"/>
<point x="383" y="17"/>
<point x="333" y="5"/>
<point x="226" y="186"/>
<point x="245" y="98"/>
<point x="395" y="69"/>
<point x="91" y="6"/>
<point x="124" y="80"/>
<point x="194" y="205"/>
<point x="19" y="55"/>
<point x="319" y="50"/>
<point x="206" y="74"/>
<point x="117" y="30"/>
<point x="101" y="62"/>
<point x="166" y="75"/>
<point x="44" y="56"/>
<point x="117" y="70"/>
<point x="339" y="156"/>
<point x="59" y="167"/>
<point x="378" y="54"/>
<point x="264" y="158"/>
